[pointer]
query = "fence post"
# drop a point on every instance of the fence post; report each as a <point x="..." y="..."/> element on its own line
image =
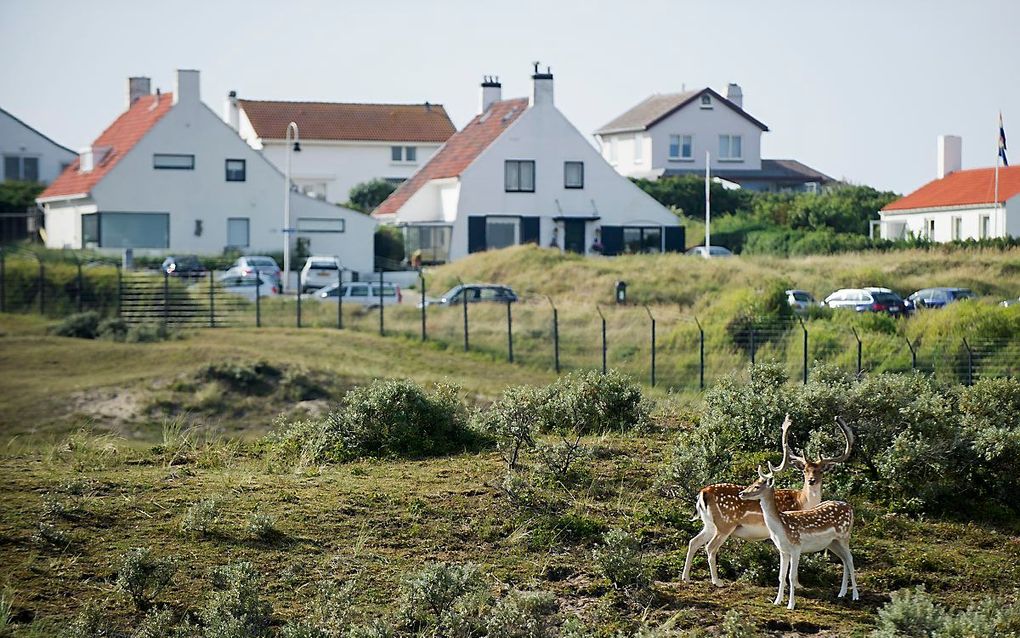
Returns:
<point x="653" y="343"/>
<point x="42" y="286"/>
<point x="120" y="289"/>
<point x="212" y="299"/>
<point x="970" y="362"/>
<point x="463" y="303"/>
<point x="258" y="300"/>
<point x="603" y="317"/>
<point x="556" y="334"/>
<point x="166" y="298"/>
<point x="509" y="332"/>
<point x="382" y="328"/>
<point x="913" y="355"/>
<point x="80" y="285"/>
<point x="804" y="328"/>
<point x="860" y="347"/>
<point x="752" y="344"/>
<point x="701" y="332"/>
<point x="340" y="298"/>
<point x="3" y="281"/>
<point x="424" y="333"/>
<point x="299" y="301"/>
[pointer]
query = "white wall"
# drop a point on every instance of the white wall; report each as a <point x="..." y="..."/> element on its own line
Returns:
<point x="17" y="138"/>
<point x="705" y="125"/>
<point x="133" y="185"/>
<point x="915" y="222"/>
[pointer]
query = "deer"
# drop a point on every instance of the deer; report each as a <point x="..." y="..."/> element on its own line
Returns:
<point x="725" y="514"/>
<point x="825" y="527"/>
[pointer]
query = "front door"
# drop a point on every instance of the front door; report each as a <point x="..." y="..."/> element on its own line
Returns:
<point x="573" y="235"/>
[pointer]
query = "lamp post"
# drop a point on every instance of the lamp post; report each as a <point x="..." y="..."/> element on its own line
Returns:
<point x="287" y="230"/>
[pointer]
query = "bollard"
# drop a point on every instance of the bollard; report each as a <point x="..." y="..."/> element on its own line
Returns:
<point x="701" y="331"/>
<point x="421" y="278"/>
<point x="556" y="334"/>
<point x="509" y="333"/>
<point x="258" y="301"/>
<point x="340" y="299"/>
<point x="603" y="317"/>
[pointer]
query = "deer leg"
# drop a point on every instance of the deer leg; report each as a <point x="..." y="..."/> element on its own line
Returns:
<point x="713" y="551"/>
<point x="844" y="544"/>
<point x="696" y="543"/>
<point x="838" y="551"/>
<point x="784" y="565"/>
<point x="794" y="567"/>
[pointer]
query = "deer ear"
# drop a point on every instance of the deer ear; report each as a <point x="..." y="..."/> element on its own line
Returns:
<point x="771" y="482"/>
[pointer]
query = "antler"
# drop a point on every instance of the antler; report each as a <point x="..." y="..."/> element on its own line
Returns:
<point x="763" y="475"/>
<point x="786" y="446"/>
<point x="848" y="434"/>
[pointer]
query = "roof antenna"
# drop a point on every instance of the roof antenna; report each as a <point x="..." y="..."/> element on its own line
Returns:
<point x="536" y="67"/>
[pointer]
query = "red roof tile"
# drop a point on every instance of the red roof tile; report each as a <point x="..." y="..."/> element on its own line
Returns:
<point x="459" y="151"/>
<point x="120" y="137"/>
<point x="962" y="188"/>
<point x="333" y="121"/>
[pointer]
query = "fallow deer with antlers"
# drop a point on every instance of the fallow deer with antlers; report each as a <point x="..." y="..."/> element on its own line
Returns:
<point x="826" y="527"/>
<point x="725" y="514"/>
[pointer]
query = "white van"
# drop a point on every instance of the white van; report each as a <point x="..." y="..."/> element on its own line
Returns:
<point x="364" y="293"/>
<point x="319" y="271"/>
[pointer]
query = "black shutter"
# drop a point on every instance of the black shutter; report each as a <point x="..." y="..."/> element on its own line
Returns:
<point x="476" y="234"/>
<point x="612" y="240"/>
<point x="675" y="239"/>
<point x="529" y="230"/>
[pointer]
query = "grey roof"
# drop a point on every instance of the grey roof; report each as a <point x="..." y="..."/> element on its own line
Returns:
<point x="655" y="107"/>
<point x="772" y="170"/>
<point x="36" y="131"/>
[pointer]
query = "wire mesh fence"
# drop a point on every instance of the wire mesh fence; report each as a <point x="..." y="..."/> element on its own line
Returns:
<point x="661" y="345"/>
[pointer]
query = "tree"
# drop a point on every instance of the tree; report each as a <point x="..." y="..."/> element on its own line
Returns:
<point x="843" y="209"/>
<point x="687" y="193"/>
<point x="366" y="196"/>
<point x="17" y="197"/>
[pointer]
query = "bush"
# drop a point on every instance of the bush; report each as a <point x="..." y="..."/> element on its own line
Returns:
<point x="330" y="614"/>
<point x="449" y="599"/>
<point x="619" y="559"/>
<point x="114" y="329"/>
<point x="90" y="622"/>
<point x="142" y="576"/>
<point x="914" y="614"/>
<point x="149" y="333"/>
<point x="81" y="325"/>
<point x="513" y="421"/>
<point x="524" y="615"/>
<point x="258" y="377"/>
<point x="262" y="526"/>
<point x="201" y="517"/>
<point x="383" y="419"/>
<point x="160" y="623"/>
<point x="589" y="402"/>
<point x="236" y="608"/>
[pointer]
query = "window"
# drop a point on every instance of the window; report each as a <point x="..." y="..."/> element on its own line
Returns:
<point x="21" y="168"/>
<point x="432" y="243"/>
<point x="410" y="153"/>
<point x="314" y="189"/>
<point x="642" y="239"/>
<point x="986" y="226"/>
<point x="957" y="228"/>
<point x="501" y="232"/>
<point x="320" y="225"/>
<point x="396" y="153"/>
<point x="639" y="150"/>
<point x="173" y="162"/>
<point x="573" y="174"/>
<point x="729" y="148"/>
<point x="681" y="147"/>
<point x="237" y="232"/>
<point x="706" y="101"/>
<point x="929" y="229"/>
<point x="125" y="230"/>
<point x="236" y="170"/>
<point x="520" y="176"/>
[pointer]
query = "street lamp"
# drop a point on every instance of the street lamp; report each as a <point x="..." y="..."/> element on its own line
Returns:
<point x="287" y="230"/>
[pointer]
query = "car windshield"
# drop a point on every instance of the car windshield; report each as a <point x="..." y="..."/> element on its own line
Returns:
<point x="261" y="261"/>
<point x="322" y="265"/>
<point x="963" y="293"/>
<point x="885" y="297"/>
<point x="801" y="296"/>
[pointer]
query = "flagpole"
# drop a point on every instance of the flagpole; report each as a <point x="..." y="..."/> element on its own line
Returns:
<point x="998" y="153"/>
<point x="708" y="205"/>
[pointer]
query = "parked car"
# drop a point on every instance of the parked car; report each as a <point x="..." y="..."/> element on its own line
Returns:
<point x="867" y="300"/>
<point x="319" y="272"/>
<point x="248" y="264"/>
<point x="1010" y="302"/>
<point x="938" y="297"/>
<point x="476" y="293"/>
<point x="713" y="251"/>
<point x="248" y="286"/>
<point x="183" y="266"/>
<point x="800" y="300"/>
<point x="364" y="293"/>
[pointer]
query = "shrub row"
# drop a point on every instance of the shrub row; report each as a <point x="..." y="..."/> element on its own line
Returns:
<point x="90" y="325"/>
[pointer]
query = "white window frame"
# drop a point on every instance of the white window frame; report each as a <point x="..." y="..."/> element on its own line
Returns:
<point x="957" y="227"/>
<point x="247" y="232"/>
<point x="173" y="161"/>
<point x="680" y="157"/>
<point x="706" y="101"/>
<point x="728" y="156"/>
<point x="929" y="228"/>
<point x="984" y="227"/>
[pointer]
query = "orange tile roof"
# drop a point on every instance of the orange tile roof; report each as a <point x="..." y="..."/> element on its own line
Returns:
<point x="459" y="151"/>
<point x="962" y="188"/>
<point x="120" y="137"/>
<point x="335" y="121"/>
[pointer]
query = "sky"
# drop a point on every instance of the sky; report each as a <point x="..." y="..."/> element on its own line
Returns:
<point x="858" y="89"/>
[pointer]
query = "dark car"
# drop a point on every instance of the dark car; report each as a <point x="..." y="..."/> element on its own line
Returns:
<point x="475" y="293"/>
<point x="183" y="266"/>
<point x="938" y="297"/>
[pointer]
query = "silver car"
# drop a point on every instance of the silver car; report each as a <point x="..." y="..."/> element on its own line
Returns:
<point x="363" y="293"/>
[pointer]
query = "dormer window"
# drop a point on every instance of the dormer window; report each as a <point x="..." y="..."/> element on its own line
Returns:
<point x="706" y="101"/>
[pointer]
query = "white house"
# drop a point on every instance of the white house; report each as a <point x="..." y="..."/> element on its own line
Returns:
<point x="520" y="172"/>
<point x="170" y="176"/>
<point x="667" y="135"/>
<point x="342" y="145"/>
<point x="28" y="154"/>
<point x="958" y="204"/>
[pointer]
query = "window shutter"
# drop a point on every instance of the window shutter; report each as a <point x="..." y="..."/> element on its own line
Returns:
<point x="476" y="234"/>
<point x="612" y="240"/>
<point x="530" y="230"/>
<point x="675" y="239"/>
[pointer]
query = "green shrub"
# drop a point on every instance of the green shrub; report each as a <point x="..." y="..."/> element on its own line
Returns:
<point x="914" y="614"/>
<point x="447" y="599"/>
<point x="384" y="419"/>
<point x="236" y="608"/>
<point x="329" y="615"/>
<point x="619" y="559"/>
<point x="90" y="622"/>
<point x="142" y="576"/>
<point x="513" y="421"/>
<point x="201" y="517"/>
<point x="262" y="526"/>
<point x="252" y="377"/>
<point x="81" y="325"/>
<point x="375" y="629"/>
<point x="114" y="329"/>
<point x="149" y="333"/>
<point x="160" y="623"/>
<point x="589" y="402"/>
<point x="524" y="615"/>
<point x="734" y="625"/>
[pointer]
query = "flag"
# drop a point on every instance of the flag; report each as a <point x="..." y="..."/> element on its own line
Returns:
<point x="1002" y="142"/>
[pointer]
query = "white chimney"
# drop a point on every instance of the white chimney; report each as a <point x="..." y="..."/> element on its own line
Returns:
<point x="137" y="87"/>
<point x="542" y="87"/>
<point x="735" y="95"/>
<point x="950" y="154"/>
<point x="231" y="111"/>
<point x="186" y="86"/>
<point x="492" y="91"/>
